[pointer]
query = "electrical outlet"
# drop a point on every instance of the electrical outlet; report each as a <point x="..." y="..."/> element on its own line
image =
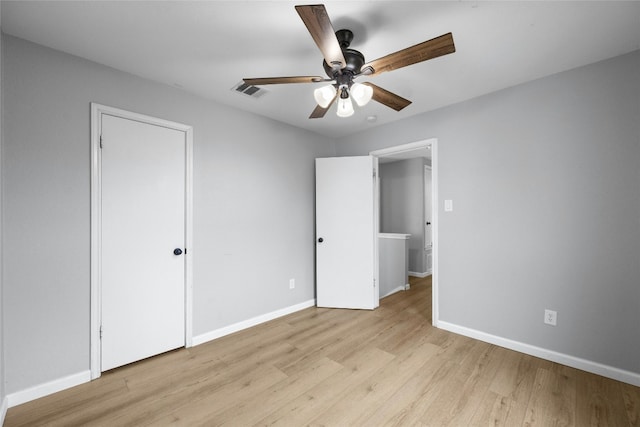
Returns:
<point x="292" y="283"/>
<point x="551" y="317"/>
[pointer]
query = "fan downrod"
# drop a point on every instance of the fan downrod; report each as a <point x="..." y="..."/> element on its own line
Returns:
<point x="345" y="37"/>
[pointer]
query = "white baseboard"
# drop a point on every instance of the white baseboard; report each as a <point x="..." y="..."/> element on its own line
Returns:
<point x="3" y="410"/>
<point x="564" y="359"/>
<point x="209" y="336"/>
<point x="36" y="392"/>
<point x="420" y="275"/>
<point x="42" y="390"/>
<point x="393" y="291"/>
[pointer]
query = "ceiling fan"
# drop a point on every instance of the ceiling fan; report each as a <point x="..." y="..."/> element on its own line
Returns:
<point x="344" y="65"/>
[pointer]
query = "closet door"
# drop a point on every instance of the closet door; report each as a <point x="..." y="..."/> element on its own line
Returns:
<point x="142" y="240"/>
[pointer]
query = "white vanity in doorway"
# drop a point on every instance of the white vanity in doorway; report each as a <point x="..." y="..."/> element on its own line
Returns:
<point x="393" y="263"/>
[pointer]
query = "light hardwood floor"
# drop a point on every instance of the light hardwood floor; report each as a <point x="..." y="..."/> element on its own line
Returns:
<point x="342" y="367"/>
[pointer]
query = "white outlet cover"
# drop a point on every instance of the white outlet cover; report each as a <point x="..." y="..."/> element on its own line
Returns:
<point x="551" y="317"/>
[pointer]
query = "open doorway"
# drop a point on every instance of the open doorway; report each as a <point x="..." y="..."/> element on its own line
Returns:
<point x="425" y="246"/>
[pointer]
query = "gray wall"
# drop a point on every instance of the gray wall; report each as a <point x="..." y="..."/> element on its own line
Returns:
<point x="402" y="205"/>
<point x="253" y="206"/>
<point x="545" y="182"/>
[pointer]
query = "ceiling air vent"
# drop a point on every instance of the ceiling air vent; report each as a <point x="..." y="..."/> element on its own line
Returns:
<point x="249" y="90"/>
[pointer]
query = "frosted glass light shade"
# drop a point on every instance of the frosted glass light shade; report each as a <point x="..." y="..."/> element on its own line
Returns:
<point x="345" y="107"/>
<point x="324" y="95"/>
<point x="361" y="94"/>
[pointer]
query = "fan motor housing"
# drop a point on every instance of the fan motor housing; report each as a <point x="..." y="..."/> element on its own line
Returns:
<point x="355" y="61"/>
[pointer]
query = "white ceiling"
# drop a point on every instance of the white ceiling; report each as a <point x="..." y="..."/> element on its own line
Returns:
<point x="207" y="47"/>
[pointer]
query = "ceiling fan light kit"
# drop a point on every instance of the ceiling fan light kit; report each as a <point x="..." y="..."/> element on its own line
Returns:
<point x="362" y="94"/>
<point x="343" y="65"/>
<point x="345" y="106"/>
<point x="324" y="95"/>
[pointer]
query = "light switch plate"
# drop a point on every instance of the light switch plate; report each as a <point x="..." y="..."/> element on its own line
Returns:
<point x="448" y="205"/>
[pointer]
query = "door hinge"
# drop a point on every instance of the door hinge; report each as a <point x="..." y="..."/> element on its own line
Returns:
<point x="100" y="141"/>
<point x="374" y="173"/>
<point x="100" y="331"/>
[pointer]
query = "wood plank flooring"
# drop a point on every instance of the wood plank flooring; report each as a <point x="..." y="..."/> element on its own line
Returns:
<point x="341" y="368"/>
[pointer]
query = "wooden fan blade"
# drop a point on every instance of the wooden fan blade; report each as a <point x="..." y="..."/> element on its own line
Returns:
<point x="319" y="111"/>
<point x="319" y="25"/>
<point x="387" y="98"/>
<point x="430" y="49"/>
<point x="282" y="80"/>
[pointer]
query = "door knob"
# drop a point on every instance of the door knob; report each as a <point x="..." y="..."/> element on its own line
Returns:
<point x="428" y="223"/>
<point x="177" y="251"/>
<point x="320" y="240"/>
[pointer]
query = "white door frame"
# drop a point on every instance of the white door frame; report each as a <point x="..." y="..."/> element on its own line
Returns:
<point x="97" y="111"/>
<point x="413" y="146"/>
<point x="428" y="173"/>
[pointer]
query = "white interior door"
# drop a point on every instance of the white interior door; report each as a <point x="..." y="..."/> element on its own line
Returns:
<point x="143" y="222"/>
<point x="345" y="233"/>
